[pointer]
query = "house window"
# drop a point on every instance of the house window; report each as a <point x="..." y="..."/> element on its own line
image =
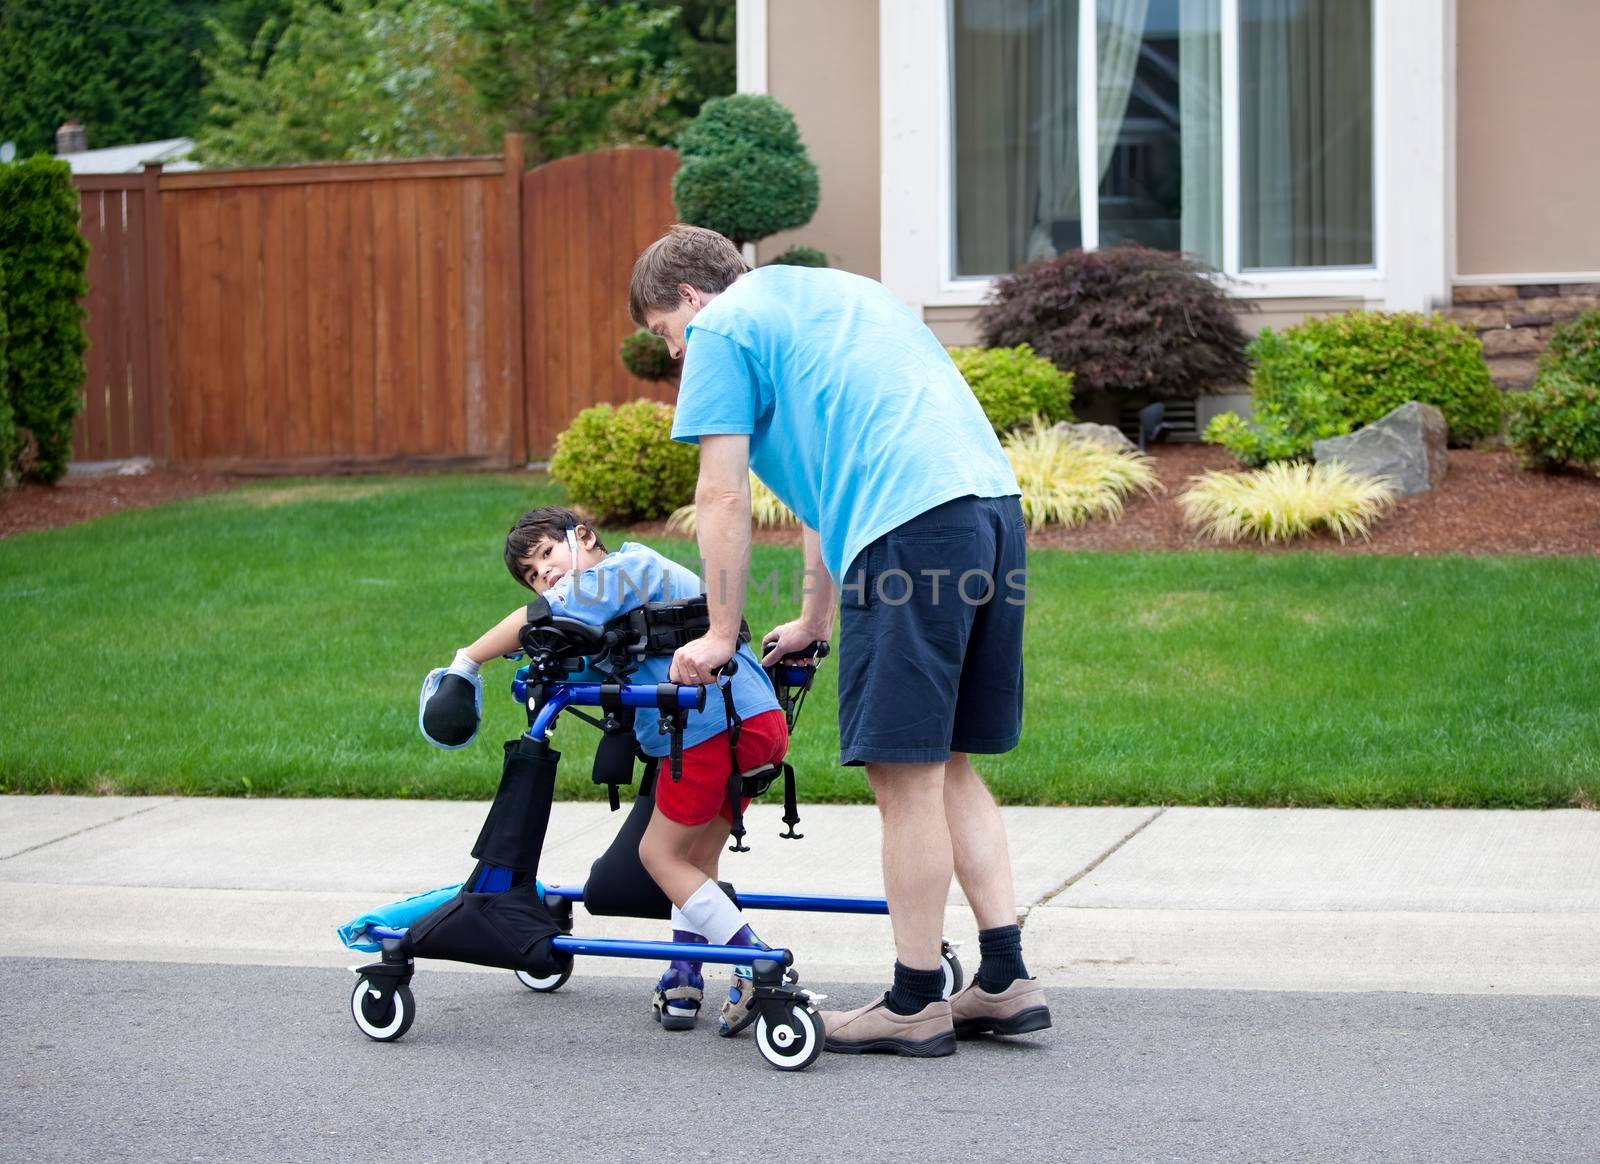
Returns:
<point x="1125" y="100"/>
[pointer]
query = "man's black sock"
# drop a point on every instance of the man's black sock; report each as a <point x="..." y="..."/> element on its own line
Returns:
<point x="915" y="989"/>
<point x="1001" y="951"/>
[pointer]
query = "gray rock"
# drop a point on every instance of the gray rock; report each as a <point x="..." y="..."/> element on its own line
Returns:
<point x="1407" y="446"/>
<point x="1103" y="434"/>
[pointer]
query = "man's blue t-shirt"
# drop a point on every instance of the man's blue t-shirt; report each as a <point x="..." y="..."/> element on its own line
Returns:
<point x="625" y="580"/>
<point x="858" y="420"/>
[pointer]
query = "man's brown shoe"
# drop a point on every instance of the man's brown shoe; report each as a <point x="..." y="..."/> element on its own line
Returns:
<point x="874" y="1027"/>
<point x="1016" y="1010"/>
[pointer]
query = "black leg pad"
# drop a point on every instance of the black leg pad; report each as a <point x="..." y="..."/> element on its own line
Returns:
<point x="511" y="930"/>
<point x="513" y="833"/>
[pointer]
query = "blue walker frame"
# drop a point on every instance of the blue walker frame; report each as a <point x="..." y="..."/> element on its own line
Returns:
<point x="789" y="1031"/>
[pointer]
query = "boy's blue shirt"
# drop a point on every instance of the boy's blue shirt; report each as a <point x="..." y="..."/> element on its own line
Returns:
<point x="858" y="420"/>
<point x="625" y="580"/>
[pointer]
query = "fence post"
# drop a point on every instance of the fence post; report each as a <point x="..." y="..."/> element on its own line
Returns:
<point x="155" y="318"/>
<point x="516" y="317"/>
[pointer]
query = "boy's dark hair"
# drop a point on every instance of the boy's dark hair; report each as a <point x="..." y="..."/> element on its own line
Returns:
<point x="694" y="255"/>
<point x="550" y="521"/>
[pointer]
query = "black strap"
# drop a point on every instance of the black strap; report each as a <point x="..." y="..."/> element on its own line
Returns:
<point x="735" y="780"/>
<point x="791" y="807"/>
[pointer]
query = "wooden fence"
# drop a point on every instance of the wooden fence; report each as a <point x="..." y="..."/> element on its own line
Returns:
<point x="365" y="315"/>
<point x="123" y="402"/>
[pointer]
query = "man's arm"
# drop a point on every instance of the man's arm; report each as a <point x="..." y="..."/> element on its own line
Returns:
<point x="817" y="604"/>
<point x="722" y="520"/>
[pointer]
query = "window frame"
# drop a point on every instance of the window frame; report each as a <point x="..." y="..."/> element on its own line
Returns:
<point x="1412" y="188"/>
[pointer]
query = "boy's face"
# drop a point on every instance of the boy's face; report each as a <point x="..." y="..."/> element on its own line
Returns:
<point x="550" y="560"/>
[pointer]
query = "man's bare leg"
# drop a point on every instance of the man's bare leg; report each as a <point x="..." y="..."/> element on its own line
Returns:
<point x="978" y="843"/>
<point x="917" y="856"/>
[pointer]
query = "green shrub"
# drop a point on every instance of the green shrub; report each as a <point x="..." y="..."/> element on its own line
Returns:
<point x="1574" y="348"/>
<point x="645" y="354"/>
<point x="42" y="282"/>
<point x="1328" y="377"/>
<point x="1556" y="423"/>
<point x="1013" y="385"/>
<point x="799" y="256"/>
<point x="8" y="426"/>
<point x="744" y="173"/>
<point x="620" y="464"/>
<point x="1124" y="319"/>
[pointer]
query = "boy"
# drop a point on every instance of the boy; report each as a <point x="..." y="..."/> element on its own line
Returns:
<point x="553" y="552"/>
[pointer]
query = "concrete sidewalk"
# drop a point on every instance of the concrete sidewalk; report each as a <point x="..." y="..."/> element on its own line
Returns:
<point x="1286" y="899"/>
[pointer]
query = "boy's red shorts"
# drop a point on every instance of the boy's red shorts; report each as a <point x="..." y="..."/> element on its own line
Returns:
<point x="703" y="791"/>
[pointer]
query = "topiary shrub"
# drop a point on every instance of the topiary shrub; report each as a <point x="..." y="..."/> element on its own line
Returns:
<point x="1013" y="385"/>
<point x="1574" y="349"/>
<point x="799" y="257"/>
<point x="44" y="260"/>
<point x="1124" y="319"/>
<point x="621" y="463"/>
<point x="744" y="173"/>
<point x="645" y="354"/>
<point x="1556" y="423"/>
<point x="1328" y="377"/>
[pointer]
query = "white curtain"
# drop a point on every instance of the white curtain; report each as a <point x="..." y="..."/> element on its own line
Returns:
<point x="1305" y="88"/>
<point x="1000" y="94"/>
<point x="1200" y="122"/>
<point x="1055" y="125"/>
<point x="1119" y="31"/>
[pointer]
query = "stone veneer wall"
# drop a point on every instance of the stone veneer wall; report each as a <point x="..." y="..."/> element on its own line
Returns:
<point x="1515" y="322"/>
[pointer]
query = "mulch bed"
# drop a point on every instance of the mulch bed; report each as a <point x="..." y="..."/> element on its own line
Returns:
<point x="34" y="507"/>
<point x="1487" y="505"/>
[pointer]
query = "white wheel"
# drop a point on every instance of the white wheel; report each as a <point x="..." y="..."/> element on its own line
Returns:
<point x="382" y="1022"/>
<point x="794" y="1041"/>
<point x="954" y="978"/>
<point x="547" y="983"/>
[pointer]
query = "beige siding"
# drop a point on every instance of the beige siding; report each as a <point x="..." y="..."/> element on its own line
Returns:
<point x="958" y="325"/>
<point x="822" y="62"/>
<point x="1527" y="137"/>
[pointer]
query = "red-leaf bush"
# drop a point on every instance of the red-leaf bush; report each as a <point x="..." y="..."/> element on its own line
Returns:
<point x="1125" y="319"/>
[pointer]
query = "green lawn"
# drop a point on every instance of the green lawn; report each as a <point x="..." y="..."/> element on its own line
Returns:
<point x="271" y="641"/>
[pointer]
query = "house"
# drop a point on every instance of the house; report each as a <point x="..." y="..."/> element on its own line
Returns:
<point x="1324" y="154"/>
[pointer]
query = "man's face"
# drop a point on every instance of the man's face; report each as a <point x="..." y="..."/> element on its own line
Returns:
<point x="671" y="325"/>
<point x="550" y="560"/>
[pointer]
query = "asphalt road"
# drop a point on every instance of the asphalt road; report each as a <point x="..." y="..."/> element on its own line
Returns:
<point x="166" y="1061"/>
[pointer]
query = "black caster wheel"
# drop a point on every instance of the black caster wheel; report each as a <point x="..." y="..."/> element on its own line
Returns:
<point x="548" y="984"/>
<point x="380" y="1021"/>
<point x="954" y="978"/>
<point x="793" y="1041"/>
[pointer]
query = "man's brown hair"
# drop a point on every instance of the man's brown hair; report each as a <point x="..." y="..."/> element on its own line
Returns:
<point x="694" y="255"/>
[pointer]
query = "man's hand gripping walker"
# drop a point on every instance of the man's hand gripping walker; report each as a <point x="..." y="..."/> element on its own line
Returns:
<point x="504" y="916"/>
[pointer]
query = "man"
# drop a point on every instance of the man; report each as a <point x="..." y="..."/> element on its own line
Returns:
<point x="850" y="410"/>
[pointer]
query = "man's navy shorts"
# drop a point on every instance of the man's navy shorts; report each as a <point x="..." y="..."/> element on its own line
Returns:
<point x="930" y="659"/>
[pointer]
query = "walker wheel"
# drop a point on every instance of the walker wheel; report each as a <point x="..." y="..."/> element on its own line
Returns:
<point x="794" y="1040"/>
<point x="954" y="978"/>
<point x="548" y="984"/>
<point x="380" y="1021"/>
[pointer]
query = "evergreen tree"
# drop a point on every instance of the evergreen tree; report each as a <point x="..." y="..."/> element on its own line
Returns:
<point x="126" y="70"/>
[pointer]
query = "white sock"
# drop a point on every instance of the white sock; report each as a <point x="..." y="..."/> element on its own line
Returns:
<point x="710" y="914"/>
<point x="679" y="922"/>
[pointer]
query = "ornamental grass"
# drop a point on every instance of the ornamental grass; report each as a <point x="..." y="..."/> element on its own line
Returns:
<point x="1069" y="479"/>
<point x="1286" y="500"/>
<point x="766" y="511"/>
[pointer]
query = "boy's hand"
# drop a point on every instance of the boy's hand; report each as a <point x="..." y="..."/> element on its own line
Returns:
<point x="695" y="663"/>
<point x="788" y="639"/>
